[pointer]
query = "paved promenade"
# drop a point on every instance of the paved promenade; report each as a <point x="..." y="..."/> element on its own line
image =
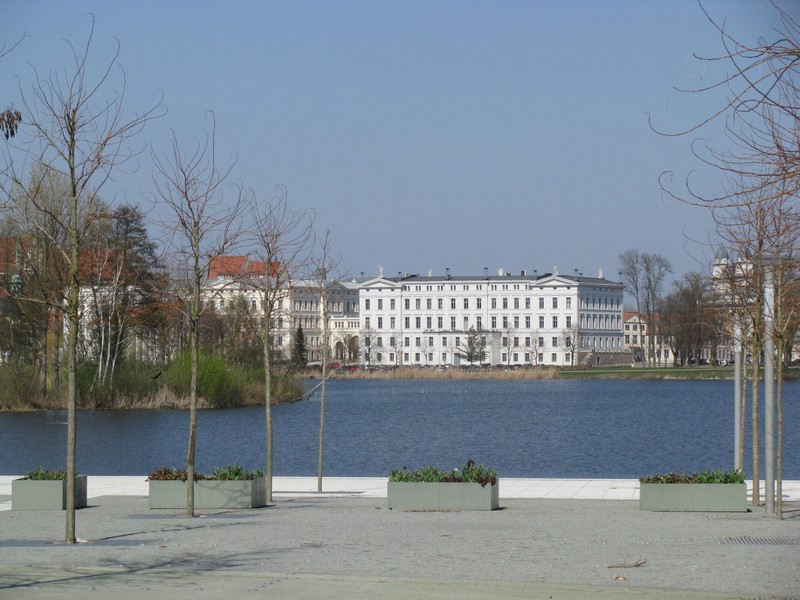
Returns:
<point x="560" y="539"/>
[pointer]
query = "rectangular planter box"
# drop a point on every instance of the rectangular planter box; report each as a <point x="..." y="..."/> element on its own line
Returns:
<point x="403" y="495"/>
<point x="701" y="497"/>
<point x="209" y="494"/>
<point x="35" y="494"/>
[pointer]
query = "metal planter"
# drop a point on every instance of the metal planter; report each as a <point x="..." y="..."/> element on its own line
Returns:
<point x="209" y="494"/>
<point x="699" y="497"/>
<point x="50" y="494"/>
<point x="403" y="495"/>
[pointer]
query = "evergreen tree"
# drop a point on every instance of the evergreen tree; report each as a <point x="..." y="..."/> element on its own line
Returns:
<point x="299" y="352"/>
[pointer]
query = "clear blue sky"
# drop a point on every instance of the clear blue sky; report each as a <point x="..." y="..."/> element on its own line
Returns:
<point x="427" y="135"/>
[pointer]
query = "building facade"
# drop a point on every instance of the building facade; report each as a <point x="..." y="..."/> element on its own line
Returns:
<point x="523" y="320"/>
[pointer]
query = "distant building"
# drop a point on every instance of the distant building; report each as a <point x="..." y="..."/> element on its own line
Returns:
<point x="525" y="320"/>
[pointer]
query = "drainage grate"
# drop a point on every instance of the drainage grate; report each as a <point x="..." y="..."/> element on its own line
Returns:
<point x="746" y="540"/>
<point x="739" y="517"/>
<point x="772" y="598"/>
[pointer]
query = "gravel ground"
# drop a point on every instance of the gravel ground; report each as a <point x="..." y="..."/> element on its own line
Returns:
<point x="587" y="546"/>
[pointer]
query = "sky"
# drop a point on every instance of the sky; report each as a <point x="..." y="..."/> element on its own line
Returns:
<point x="426" y="135"/>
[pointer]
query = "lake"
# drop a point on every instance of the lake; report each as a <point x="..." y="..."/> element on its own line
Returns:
<point x="538" y="428"/>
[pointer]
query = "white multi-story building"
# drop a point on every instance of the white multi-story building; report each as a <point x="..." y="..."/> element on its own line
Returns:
<point x="298" y="304"/>
<point x="548" y="319"/>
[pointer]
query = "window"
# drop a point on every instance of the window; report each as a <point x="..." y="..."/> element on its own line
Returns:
<point x="407" y="303"/>
<point x="527" y="303"/>
<point x="516" y="322"/>
<point x="458" y="341"/>
<point x="380" y="322"/>
<point x="418" y="342"/>
<point x="430" y="341"/>
<point x="516" y="342"/>
<point x="555" y="322"/>
<point x="391" y="342"/>
<point x="554" y="358"/>
<point x="541" y="322"/>
<point x="494" y="303"/>
<point x="418" y="322"/>
<point x="479" y="323"/>
<point x="453" y="323"/>
<point x="380" y="304"/>
<point x="540" y="357"/>
<point x="494" y="322"/>
<point x="391" y="304"/>
<point x="379" y="341"/>
<point x="505" y="302"/>
<point x="541" y="303"/>
<point x="568" y="341"/>
<point x="429" y="322"/>
<point x="444" y="340"/>
<point x="366" y="322"/>
<point x="555" y="302"/>
<point x="466" y="322"/>
<point x="379" y="357"/>
<point x="405" y="357"/>
<point x="505" y="322"/>
<point x="392" y="322"/>
<point x="418" y="303"/>
<point x="554" y="342"/>
<point x="416" y="357"/>
<point x="407" y="322"/>
<point x="366" y="304"/>
<point x="453" y="303"/>
<point x="429" y="303"/>
<point x="527" y="342"/>
<point x="466" y="303"/>
<point x="516" y="303"/>
<point x="541" y="342"/>
<point x="407" y="341"/>
<point x="478" y="303"/>
<point x="440" y="303"/>
<point x="569" y="302"/>
<point x="569" y="321"/>
<point x="528" y="322"/>
<point x="440" y="322"/>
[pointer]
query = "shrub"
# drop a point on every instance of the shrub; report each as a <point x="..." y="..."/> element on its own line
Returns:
<point x="236" y="473"/>
<point x="229" y="473"/>
<point x="469" y="473"/>
<point x="43" y="475"/>
<point x="715" y="476"/>
<point x="216" y="383"/>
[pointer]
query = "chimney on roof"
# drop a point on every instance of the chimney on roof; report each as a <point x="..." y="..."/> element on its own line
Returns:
<point x="600" y="274"/>
<point x="447" y="273"/>
<point x="501" y="272"/>
<point x="523" y="273"/>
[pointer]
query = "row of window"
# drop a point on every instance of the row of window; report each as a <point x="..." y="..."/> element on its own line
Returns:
<point x="506" y="341"/>
<point x="504" y="302"/>
<point x="445" y="359"/>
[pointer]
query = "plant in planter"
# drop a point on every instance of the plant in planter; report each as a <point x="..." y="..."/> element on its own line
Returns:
<point x="705" y="491"/>
<point x="472" y="487"/>
<point x="228" y="487"/>
<point x="46" y="490"/>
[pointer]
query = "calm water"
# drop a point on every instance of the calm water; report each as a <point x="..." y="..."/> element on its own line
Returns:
<point x="594" y="429"/>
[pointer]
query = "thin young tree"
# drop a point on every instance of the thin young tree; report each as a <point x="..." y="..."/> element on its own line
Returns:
<point x="78" y="127"/>
<point x="283" y="240"/>
<point x="324" y="264"/>
<point x="205" y="225"/>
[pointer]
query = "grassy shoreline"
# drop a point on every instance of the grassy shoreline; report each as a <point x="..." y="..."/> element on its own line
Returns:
<point x="525" y="374"/>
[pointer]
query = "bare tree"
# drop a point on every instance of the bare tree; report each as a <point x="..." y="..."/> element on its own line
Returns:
<point x="325" y="264"/>
<point x="206" y="226"/>
<point x="283" y="241"/>
<point x="78" y="128"/>
<point x="644" y="275"/>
